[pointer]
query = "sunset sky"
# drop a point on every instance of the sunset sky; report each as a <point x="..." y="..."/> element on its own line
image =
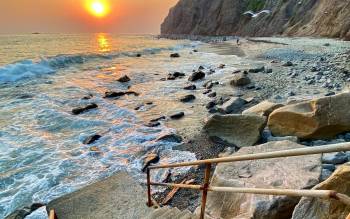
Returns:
<point x="71" y="16"/>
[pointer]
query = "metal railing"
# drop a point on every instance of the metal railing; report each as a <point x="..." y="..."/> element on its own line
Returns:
<point x="205" y="187"/>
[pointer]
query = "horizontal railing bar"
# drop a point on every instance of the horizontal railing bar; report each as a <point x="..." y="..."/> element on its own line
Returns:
<point x="267" y="155"/>
<point x="184" y="186"/>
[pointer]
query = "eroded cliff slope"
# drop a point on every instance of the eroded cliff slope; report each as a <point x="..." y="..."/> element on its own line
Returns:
<point x="327" y="18"/>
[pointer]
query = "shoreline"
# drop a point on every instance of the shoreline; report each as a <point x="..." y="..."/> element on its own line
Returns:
<point x="276" y="86"/>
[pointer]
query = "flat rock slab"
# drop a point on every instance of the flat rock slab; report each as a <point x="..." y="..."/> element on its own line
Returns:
<point x="118" y="197"/>
<point x="291" y="172"/>
<point x="236" y="129"/>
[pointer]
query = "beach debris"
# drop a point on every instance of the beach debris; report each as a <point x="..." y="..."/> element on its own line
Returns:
<point x="197" y="75"/>
<point x="123" y="79"/>
<point x="171" y="194"/>
<point x="91" y="139"/>
<point x="79" y="110"/>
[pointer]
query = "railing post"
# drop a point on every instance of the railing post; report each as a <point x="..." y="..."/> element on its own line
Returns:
<point x="149" y="202"/>
<point x="205" y="189"/>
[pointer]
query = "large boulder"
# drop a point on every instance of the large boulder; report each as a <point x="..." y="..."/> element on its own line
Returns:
<point x="291" y="172"/>
<point x="315" y="208"/>
<point x="239" y="130"/>
<point x="316" y="119"/>
<point x="264" y="108"/>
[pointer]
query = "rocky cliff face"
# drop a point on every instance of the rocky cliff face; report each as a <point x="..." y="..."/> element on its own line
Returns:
<point x="326" y="18"/>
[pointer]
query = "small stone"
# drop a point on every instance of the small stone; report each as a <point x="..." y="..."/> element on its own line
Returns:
<point x="153" y="124"/>
<point x="207" y="91"/>
<point x="256" y="70"/>
<point x="123" y="79"/>
<point x="210" y="104"/>
<point x="174" y="55"/>
<point x="221" y="66"/>
<point x="91" y="139"/>
<point x="80" y="110"/>
<point x="212" y="94"/>
<point x="138" y="55"/>
<point x="200" y="68"/>
<point x="287" y="64"/>
<point x="196" y="76"/>
<point x="240" y="80"/>
<point x="177" y="115"/>
<point x="331" y="93"/>
<point x="232" y="106"/>
<point x="187" y="98"/>
<point x="157" y="119"/>
<point x="268" y="70"/>
<point x="190" y="87"/>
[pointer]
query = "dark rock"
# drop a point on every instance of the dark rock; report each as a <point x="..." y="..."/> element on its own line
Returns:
<point x="91" y="139"/>
<point x="331" y="93"/>
<point x="174" y="55"/>
<point x="325" y="174"/>
<point x="251" y="87"/>
<point x="25" y="211"/>
<point x="116" y="94"/>
<point x="79" y="110"/>
<point x="170" y="138"/>
<point x="256" y="70"/>
<point x="212" y="94"/>
<point x="287" y="64"/>
<point x="25" y="96"/>
<point x="330" y="167"/>
<point x="196" y="76"/>
<point x="195" y="50"/>
<point x="210" y="104"/>
<point x="150" y="159"/>
<point x="138" y="107"/>
<point x="175" y="75"/>
<point x="159" y="118"/>
<point x="200" y="68"/>
<point x="268" y="70"/>
<point x="187" y="98"/>
<point x="177" y="115"/>
<point x="213" y="110"/>
<point x="138" y="55"/>
<point x="88" y="97"/>
<point x="233" y="105"/>
<point x="152" y="124"/>
<point x="335" y="158"/>
<point x="190" y="87"/>
<point x="326" y="44"/>
<point x="207" y="91"/>
<point x="123" y="79"/>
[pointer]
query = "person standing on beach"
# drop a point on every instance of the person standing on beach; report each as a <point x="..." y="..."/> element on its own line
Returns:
<point x="238" y="41"/>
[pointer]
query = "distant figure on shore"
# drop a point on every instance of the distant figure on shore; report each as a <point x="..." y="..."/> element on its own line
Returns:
<point x="237" y="41"/>
<point x="254" y="15"/>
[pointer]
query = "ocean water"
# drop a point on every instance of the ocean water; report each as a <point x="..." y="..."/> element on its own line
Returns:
<point x="43" y="77"/>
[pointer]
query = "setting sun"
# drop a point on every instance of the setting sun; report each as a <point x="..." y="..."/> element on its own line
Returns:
<point x="98" y="8"/>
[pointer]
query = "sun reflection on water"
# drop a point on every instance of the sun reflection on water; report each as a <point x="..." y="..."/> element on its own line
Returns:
<point x="103" y="41"/>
